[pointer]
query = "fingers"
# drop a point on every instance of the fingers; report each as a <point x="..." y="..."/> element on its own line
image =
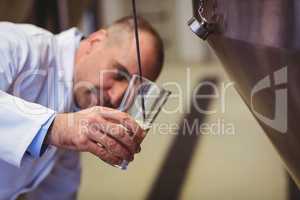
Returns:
<point x="119" y="133"/>
<point x="103" y="154"/>
<point x="126" y="120"/>
<point x="111" y="145"/>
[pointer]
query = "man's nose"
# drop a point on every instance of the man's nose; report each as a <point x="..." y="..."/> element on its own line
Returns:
<point x="116" y="94"/>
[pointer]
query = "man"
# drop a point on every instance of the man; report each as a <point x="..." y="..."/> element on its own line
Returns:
<point x="44" y="79"/>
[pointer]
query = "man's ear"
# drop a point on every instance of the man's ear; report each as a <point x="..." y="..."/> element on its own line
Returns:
<point x="95" y="39"/>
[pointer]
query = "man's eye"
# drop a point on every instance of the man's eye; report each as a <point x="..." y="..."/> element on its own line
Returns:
<point x="121" y="75"/>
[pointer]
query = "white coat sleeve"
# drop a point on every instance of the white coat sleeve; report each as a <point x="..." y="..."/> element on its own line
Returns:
<point x="20" y="120"/>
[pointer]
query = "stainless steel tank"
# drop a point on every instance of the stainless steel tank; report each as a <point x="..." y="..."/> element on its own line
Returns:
<point x="258" y="43"/>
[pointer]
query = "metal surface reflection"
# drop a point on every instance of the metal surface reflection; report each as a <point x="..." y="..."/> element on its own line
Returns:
<point x="256" y="41"/>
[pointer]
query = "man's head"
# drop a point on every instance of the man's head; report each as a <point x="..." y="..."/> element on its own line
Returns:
<point x="107" y="58"/>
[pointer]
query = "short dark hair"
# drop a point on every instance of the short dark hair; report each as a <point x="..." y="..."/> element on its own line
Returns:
<point x="127" y="24"/>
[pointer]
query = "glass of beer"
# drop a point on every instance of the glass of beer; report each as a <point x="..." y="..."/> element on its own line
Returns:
<point x="143" y="100"/>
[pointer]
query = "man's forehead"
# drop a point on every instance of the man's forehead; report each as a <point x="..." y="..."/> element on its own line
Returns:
<point x="148" y="56"/>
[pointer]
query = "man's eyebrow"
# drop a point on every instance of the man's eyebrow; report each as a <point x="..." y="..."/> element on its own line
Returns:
<point x="123" y="69"/>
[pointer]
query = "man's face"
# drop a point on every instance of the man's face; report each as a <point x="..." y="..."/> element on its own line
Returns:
<point x="102" y="71"/>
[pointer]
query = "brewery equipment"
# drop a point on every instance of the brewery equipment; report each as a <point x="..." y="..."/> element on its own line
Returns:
<point x="257" y="43"/>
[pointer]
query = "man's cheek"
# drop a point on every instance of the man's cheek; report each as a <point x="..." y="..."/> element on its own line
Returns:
<point x="106" y="79"/>
<point x="92" y="100"/>
<point x="86" y="100"/>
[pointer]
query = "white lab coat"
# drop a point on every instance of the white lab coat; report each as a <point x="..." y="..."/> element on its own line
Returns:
<point x="36" y="72"/>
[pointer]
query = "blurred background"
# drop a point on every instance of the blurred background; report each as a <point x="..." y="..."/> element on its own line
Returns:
<point x="208" y="166"/>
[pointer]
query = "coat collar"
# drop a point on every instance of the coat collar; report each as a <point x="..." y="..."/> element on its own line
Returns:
<point x="67" y="43"/>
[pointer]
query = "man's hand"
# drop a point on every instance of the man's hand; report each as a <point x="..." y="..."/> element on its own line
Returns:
<point x="111" y="135"/>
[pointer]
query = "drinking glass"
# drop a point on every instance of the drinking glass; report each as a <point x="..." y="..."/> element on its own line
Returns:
<point x="143" y="100"/>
